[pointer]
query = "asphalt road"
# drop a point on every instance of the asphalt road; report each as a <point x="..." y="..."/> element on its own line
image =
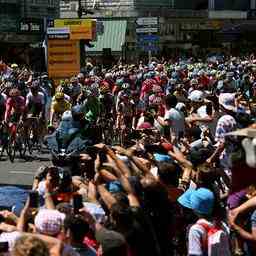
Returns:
<point x="22" y="171"/>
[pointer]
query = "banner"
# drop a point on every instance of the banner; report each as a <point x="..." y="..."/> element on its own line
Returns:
<point x="80" y="29"/>
<point x="63" y="58"/>
<point x="59" y="23"/>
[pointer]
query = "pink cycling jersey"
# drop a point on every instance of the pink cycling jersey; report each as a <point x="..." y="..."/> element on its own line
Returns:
<point x="14" y="105"/>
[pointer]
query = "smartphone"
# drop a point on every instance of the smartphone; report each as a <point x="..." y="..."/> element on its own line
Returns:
<point x="77" y="203"/>
<point x="4" y="247"/>
<point x="33" y="199"/>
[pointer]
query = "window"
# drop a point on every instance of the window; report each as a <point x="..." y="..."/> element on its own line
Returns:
<point x="51" y="2"/>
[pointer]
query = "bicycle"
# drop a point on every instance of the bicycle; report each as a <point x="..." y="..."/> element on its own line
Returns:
<point x="3" y="139"/>
<point x="107" y="129"/>
<point x="32" y="131"/>
<point x="16" y="140"/>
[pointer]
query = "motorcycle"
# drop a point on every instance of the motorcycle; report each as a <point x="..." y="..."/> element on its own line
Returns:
<point x="65" y="145"/>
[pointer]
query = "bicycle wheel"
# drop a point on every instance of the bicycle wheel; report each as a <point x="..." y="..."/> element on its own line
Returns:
<point x="2" y="148"/>
<point x="11" y="150"/>
<point x="30" y="140"/>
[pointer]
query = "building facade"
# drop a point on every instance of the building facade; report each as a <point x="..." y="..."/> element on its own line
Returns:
<point x="22" y="27"/>
<point x="182" y="25"/>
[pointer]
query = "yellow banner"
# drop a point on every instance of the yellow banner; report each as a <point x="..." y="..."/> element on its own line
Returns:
<point x="80" y="29"/>
<point x="63" y="58"/>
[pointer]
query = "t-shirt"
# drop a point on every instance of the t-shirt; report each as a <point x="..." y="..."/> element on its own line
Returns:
<point x="177" y="121"/>
<point x="197" y="234"/>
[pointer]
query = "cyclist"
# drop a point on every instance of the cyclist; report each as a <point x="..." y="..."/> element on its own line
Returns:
<point x="15" y="107"/>
<point x="35" y="101"/>
<point x="35" y="106"/>
<point x="59" y="106"/>
<point x="125" y="112"/>
<point x="107" y="102"/>
<point x="3" y="98"/>
<point x="15" y="110"/>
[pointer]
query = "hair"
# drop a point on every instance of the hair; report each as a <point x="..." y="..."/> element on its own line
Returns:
<point x="77" y="226"/>
<point x="121" y="214"/>
<point x="170" y="101"/>
<point x="30" y="246"/>
<point x="169" y="173"/>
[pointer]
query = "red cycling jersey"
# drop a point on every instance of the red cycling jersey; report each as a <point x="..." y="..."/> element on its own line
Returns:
<point x="14" y="105"/>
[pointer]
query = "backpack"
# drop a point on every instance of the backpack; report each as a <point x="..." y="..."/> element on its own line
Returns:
<point x="216" y="241"/>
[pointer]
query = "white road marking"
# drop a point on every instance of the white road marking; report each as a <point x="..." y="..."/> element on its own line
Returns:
<point x="22" y="172"/>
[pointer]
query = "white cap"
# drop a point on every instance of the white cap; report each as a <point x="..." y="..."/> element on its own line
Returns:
<point x="227" y="100"/>
<point x="196" y="96"/>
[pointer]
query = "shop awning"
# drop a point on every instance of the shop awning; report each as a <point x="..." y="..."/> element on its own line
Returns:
<point x="113" y="36"/>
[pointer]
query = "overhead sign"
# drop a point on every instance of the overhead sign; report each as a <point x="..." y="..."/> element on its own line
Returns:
<point x="63" y="58"/>
<point x="146" y="21"/>
<point x="146" y="30"/>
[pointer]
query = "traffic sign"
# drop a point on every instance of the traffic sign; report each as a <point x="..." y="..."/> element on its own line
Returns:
<point x="147" y="21"/>
<point x="148" y="38"/>
<point x="146" y="30"/>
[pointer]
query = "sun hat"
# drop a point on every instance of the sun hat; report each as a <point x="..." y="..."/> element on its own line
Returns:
<point x="196" y="96"/>
<point x="201" y="200"/>
<point x="227" y="101"/>
<point x="49" y="222"/>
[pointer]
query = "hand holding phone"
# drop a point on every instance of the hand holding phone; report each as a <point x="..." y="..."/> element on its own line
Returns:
<point x="33" y="199"/>
<point x="77" y="203"/>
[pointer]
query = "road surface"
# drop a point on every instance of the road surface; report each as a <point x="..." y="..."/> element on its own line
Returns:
<point x="21" y="172"/>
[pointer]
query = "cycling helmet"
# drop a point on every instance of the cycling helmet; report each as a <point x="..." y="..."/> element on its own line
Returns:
<point x="14" y="92"/>
<point x="14" y="65"/>
<point x="34" y="85"/>
<point x="194" y="82"/>
<point x="126" y="86"/>
<point x="119" y="82"/>
<point x="59" y="96"/>
<point x="108" y="76"/>
<point x="152" y="74"/>
<point x="104" y="89"/>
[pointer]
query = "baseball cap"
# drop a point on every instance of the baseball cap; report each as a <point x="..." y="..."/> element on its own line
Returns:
<point x="227" y="101"/>
<point x="201" y="200"/>
<point x="49" y="222"/>
<point x="196" y="96"/>
<point x="110" y="241"/>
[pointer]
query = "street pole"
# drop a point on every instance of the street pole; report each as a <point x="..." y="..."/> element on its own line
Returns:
<point x="149" y="46"/>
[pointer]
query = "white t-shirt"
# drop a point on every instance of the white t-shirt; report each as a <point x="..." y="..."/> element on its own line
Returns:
<point x="38" y="99"/>
<point x="177" y="121"/>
